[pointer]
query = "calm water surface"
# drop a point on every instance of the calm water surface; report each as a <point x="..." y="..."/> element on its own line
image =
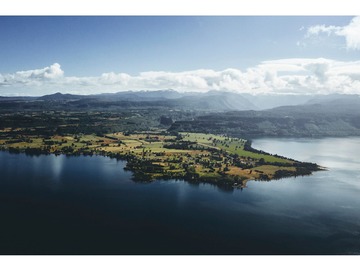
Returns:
<point x="90" y="205"/>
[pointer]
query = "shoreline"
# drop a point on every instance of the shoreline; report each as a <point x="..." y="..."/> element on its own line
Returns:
<point x="139" y="176"/>
<point x="194" y="157"/>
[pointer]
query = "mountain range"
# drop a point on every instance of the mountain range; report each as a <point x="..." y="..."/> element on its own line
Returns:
<point x="332" y="115"/>
<point x="216" y="112"/>
<point x="212" y="100"/>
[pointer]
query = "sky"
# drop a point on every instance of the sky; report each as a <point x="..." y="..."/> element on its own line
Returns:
<point x="244" y="54"/>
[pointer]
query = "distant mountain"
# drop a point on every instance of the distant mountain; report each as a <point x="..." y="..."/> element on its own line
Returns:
<point x="218" y="112"/>
<point x="269" y="101"/>
<point x="58" y="96"/>
<point x="171" y="99"/>
<point x="17" y="98"/>
<point x="334" y="98"/>
<point x="212" y="100"/>
<point x="330" y="117"/>
<point x="215" y="100"/>
<point x="141" y="95"/>
<point x="339" y="105"/>
<point x="136" y="96"/>
<point x="265" y="102"/>
<point x="209" y="101"/>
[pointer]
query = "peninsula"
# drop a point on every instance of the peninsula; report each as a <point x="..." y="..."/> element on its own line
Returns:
<point x="159" y="154"/>
<point x="161" y="134"/>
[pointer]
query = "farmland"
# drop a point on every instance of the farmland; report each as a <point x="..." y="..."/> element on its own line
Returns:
<point x="158" y="154"/>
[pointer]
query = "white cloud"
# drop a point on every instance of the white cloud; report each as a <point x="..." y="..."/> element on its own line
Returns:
<point x="351" y="32"/>
<point x="52" y="72"/>
<point x="318" y="29"/>
<point x="294" y="75"/>
<point x="32" y="77"/>
<point x="319" y="70"/>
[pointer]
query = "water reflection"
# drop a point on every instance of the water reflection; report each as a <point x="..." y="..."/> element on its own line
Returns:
<point x="98" y="209"/>
<point x="181" y="195"/>
<point x="56" y="163"/>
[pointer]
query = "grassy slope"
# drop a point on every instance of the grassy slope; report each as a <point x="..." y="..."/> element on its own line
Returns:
<point x="231" y="145"/>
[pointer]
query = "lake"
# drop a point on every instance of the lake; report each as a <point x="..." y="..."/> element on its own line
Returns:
<point x="90" y="205"/>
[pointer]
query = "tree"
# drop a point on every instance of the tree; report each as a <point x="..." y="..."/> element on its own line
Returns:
<point x="166" y="121"/>
<point x="261" y="161"/>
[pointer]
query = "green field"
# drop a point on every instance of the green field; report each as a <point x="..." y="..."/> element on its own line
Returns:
<point x="231" y="145"/>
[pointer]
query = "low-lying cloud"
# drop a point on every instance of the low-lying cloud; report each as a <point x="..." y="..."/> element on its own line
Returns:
<point x="283" y="76"/>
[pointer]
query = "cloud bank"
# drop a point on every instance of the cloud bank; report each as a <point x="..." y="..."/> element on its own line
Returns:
<point x="283" y="76"/>
<point x="351" y="32"/>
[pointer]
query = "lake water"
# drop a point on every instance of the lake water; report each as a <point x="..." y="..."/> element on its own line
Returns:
<point x="90" y="205"/>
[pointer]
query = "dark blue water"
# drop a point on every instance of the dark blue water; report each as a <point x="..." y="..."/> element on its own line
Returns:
<point x="90" y="205"/>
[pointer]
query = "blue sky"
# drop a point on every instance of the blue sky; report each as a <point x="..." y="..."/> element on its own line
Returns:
<point x="243" y="53"/>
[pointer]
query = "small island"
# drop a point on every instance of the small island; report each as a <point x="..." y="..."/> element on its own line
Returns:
<point x="158" y="154"/>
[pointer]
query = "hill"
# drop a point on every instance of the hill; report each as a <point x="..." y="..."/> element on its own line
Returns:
<point x="170" y="99"/>
<point x="334" y="117"/>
